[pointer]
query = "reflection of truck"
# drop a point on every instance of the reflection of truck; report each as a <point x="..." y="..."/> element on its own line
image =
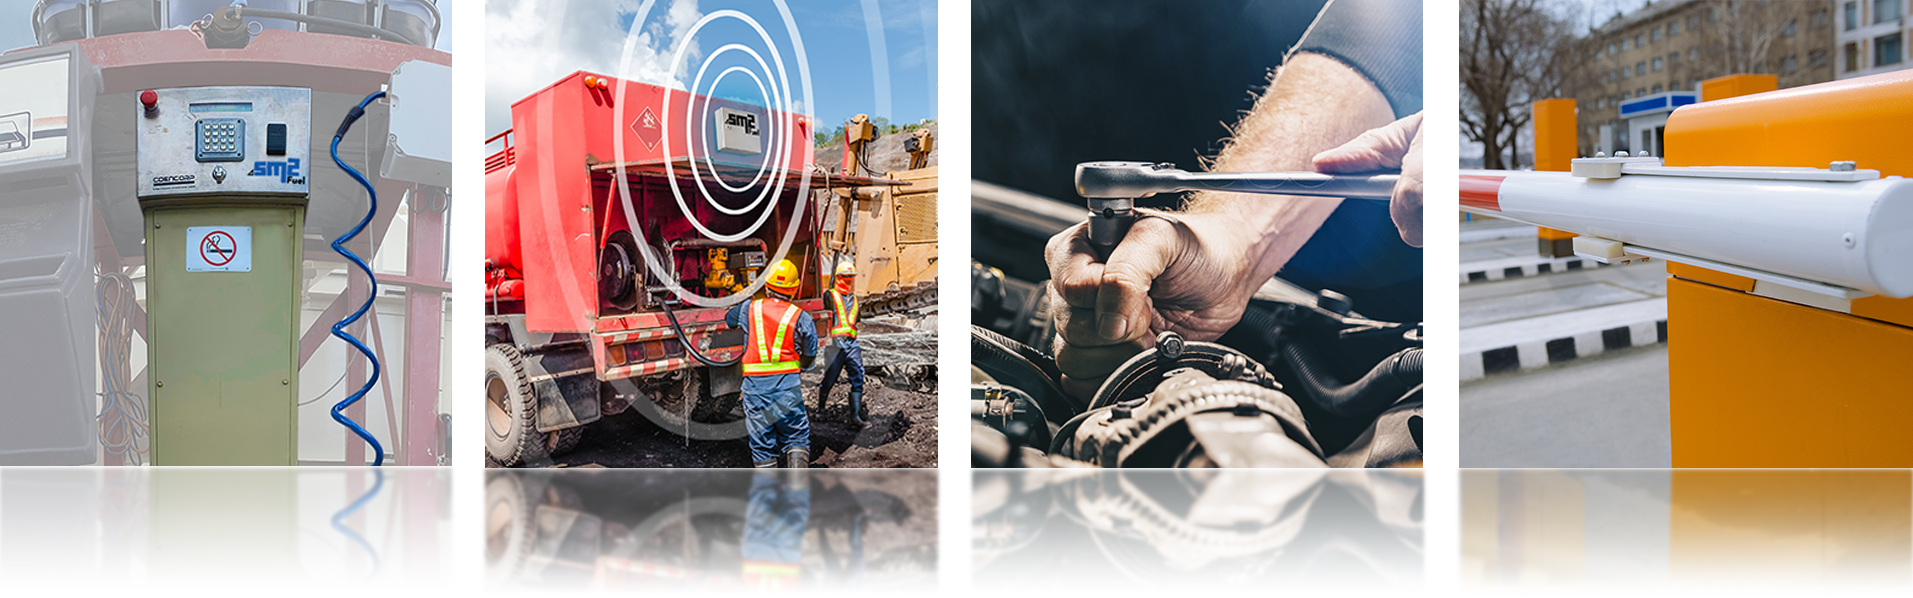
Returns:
<point x="601" y="266"/>
<point x="630" y="532"/>
<point x="708" y="529"/>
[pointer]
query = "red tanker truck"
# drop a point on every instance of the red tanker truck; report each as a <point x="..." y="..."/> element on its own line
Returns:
<point x="622" y="220"/>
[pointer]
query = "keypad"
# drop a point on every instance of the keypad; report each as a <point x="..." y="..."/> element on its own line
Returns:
<point x="220" y="140"/>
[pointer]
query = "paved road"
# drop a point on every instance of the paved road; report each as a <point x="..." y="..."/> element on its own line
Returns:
<point x="1535" y="296"/>
<point x="1604" y="411"/>
<point x="1496" y="249"/>
<point x="1608" y="410"/>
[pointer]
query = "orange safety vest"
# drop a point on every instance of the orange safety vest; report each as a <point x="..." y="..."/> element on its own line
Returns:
<point x="779" y="354"/>
<point x="846" y="324"/>
<point x="771" y="577"/>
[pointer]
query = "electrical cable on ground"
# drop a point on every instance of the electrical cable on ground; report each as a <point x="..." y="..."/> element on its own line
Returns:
<point x="338" y="245"/>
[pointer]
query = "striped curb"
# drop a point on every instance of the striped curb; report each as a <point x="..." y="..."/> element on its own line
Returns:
<point x="1476" y="273"/>
<point x="1497" y="233"/>
<point x="1568" y="348"/>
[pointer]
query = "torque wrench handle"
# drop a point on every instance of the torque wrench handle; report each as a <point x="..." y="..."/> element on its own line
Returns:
<point x="1111" y="189"/>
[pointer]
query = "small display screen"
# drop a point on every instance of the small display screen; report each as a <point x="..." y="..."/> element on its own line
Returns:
<point x="222" y="107"/>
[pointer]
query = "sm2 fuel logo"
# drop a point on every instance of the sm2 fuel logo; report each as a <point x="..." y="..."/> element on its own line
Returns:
<point x="287" y="170"/>
<point x="744" y="120"/>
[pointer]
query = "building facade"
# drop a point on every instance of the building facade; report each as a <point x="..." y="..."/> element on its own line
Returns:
<point x="1871" y="36"/>
<point x="1673" y="45"/>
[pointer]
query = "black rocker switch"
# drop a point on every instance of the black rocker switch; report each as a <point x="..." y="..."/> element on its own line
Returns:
<point x="276" y="139"/>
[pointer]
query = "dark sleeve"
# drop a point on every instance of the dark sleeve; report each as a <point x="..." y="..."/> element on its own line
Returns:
<point x="735" y="317"/>
<point x="1381" y="39"/>
<point x="806" y="335"/>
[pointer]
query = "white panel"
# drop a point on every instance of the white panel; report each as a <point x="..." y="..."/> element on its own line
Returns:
<point x="33" y="105"/>
<point x="421" y="128"/>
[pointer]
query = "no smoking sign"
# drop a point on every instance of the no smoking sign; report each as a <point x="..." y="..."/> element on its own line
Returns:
<point x="219" y="249"/>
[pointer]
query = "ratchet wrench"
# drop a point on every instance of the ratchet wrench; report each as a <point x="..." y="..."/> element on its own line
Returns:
<point x="1112" y="188"/>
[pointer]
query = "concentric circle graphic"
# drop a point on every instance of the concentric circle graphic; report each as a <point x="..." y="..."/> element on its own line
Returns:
<point x="778" y="105"/>
<point x="776" y="121"/>
<point x="705" y="136"/>
<point x="777" y="93"/>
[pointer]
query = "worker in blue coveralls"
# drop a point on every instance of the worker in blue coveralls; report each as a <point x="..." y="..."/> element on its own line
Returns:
<point x="843" y="305"/>
<point x="848" y="577"/>
<point x="775" y="520"/>
<point x="782" y="342"/>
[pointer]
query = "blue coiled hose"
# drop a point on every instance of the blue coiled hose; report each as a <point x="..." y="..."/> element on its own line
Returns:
<point x="338" y="245"/>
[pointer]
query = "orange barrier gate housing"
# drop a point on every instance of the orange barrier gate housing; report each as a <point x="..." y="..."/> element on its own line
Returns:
<point x="1760" y="382"/>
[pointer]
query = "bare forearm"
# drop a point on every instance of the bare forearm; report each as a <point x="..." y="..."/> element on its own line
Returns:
<point x="1313" y="103"/>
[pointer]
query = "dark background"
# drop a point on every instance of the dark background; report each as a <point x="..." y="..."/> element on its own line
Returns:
<point x="1055" y="83"/>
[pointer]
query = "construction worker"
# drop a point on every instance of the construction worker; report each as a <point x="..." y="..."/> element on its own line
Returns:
<point x="843" y="328"/>
<point x="775" y="520"/>
<point x="782" y="342"/>
<point x="848" y="577"/>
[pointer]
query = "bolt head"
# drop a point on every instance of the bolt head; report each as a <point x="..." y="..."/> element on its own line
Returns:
<point x="1600" y="154"/>
<point x="1169" y="346"/>
<point x="1620" y="154"/>
<point x="1843" y="166"/>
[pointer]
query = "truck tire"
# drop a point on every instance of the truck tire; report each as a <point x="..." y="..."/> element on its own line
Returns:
<point x="507" y="528"/>
<point x="712" y="417"/>
<point x="559" y="442"/>
<point x="511" y="410"/>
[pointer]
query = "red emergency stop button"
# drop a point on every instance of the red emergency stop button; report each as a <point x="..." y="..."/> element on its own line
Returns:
<point x="150" y="99"/>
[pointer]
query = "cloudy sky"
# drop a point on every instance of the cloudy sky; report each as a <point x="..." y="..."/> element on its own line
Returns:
<point x="16" y="24"/>
<point x="869" y="56"/>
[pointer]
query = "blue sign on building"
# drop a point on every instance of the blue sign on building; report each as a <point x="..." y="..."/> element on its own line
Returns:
<point x="1658" y="103"/>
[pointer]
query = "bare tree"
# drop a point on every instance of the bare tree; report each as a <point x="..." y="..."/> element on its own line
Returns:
<point x="1739" y="33"/>
<point x="1513" y="52"/>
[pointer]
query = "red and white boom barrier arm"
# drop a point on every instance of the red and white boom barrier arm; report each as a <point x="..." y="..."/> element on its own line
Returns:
<point x="1842" y="232"/>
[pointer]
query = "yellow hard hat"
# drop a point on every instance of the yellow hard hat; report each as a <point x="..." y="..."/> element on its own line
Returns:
<point x="847" y="269"/>
<point x="784" y="278"/>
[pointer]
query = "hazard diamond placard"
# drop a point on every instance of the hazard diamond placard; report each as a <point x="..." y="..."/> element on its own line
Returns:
<point x="219" y="249"/>
<point x="647" y="129"/>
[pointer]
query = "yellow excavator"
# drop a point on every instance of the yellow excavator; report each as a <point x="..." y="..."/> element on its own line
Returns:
<point x="890" y="232"/>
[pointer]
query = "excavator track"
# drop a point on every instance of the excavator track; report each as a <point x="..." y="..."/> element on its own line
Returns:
<point x="916" y="300"/>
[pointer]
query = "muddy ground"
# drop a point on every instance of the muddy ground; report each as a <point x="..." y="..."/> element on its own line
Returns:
<point x="902" y="432"/>
<point x="899" y="536"/>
